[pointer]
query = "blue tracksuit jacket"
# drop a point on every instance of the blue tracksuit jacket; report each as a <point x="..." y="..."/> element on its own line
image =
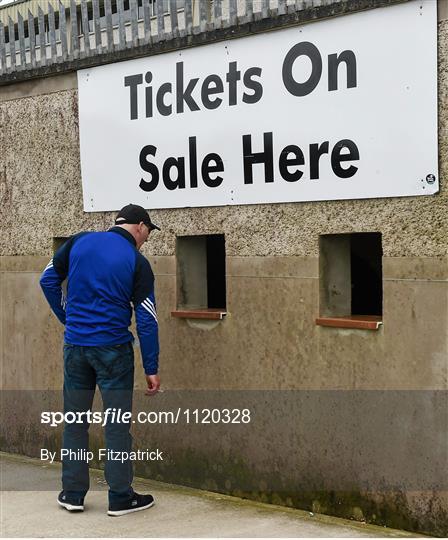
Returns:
<point x="105" y="273"/>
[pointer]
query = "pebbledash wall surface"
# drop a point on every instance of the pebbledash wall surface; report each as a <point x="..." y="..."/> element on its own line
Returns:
<point x="344" y="421"/>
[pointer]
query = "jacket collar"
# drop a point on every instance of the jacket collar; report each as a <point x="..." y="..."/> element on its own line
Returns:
<point x="124" y="233"/>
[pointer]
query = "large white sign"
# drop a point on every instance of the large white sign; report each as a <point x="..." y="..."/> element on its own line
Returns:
<point x="339" y="109"/>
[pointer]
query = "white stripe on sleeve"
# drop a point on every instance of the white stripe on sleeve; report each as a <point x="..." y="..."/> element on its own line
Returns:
<point x="149" y="310"/>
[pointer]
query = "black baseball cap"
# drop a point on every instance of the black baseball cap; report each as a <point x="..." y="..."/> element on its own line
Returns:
<point x="133" y="213"/>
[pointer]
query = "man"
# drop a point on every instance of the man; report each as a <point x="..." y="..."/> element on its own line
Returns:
<point x="105" y="272"/>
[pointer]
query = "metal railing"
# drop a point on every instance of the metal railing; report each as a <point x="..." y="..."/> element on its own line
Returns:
<point x="71" y="30"/>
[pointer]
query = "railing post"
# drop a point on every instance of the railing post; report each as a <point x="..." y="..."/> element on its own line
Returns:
<point x="52" y="28"/>
<point x="74" y="27"/>
<point x="217" y="14"/>
<point x="109" y="27"/>
<point x="134" y="22"/>
<point x="21" y="41"/>
<point x="173" y="18"/>
<point x="233" y="12"/>
<point x="32" y="38"/>
<point x="249" y="11"/>
<point x="42" y="41"/>
<point x="85" y="27"/>
<point x="160" y="21"/>
<point x="63" y="31"/>
<point x="121" y="27"/>
<point x="97" y="26"/>
<point x="147" y="21"/>
<point x="12" y="43"/>
<point x="281" y="7"/>
<point x="2" y="48"/>
<point x="203" y="15"/>
<point x="264" y="9"/>
<point x="188" y="17"/>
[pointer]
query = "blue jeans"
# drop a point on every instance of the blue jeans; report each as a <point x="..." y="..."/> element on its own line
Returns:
<point x="112" y="369"/>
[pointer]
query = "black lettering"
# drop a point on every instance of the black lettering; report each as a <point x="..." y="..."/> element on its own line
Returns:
<point x="165" y="88"/>
<point x="337" y="158"/>
<point x="256" y="86"/>
<point x="179" y="165"/>
<point x="149" y="167"/>
<point x="148" y="95"/>
<point x="133" y="81"/>
<point x="333" y="64"/>
<point x="193" y="160"/>
<point x="211" y="85"/>
<point x="232" y="77"/>
<point x="284" y="162"/>
<point x="182" y="96"/>
<point x="265" y="157"/>
<point x="316" y="151"/>
<point x="305" y="48"/>
<point x="207" y="168"/>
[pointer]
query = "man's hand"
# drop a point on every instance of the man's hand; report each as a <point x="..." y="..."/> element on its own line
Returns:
<point x="153" y="382"/>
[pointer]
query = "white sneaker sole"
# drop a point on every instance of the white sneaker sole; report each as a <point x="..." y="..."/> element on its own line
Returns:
<point x="129" y="510"/>
<point x="71" y="507"/>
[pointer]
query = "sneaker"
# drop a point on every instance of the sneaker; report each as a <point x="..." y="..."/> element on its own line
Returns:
<point x="138" y="502"/>
<point x="72" y="505"/>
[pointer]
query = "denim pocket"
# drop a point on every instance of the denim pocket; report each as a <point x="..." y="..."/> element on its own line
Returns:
<point x="113" y="361"/>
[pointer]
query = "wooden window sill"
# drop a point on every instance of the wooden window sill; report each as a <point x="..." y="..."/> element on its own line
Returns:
<point x="206" y="313"/>
<point x="362" y="322"/>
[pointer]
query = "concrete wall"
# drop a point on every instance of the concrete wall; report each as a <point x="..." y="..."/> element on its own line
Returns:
<point x="267" y="342"/>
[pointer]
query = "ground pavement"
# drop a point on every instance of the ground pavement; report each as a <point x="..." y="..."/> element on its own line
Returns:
<point x="29" y="509"/>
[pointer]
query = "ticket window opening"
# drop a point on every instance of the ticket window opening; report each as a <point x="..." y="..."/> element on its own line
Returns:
<point x="351" y="282"/>
<point x="201" y="273"/>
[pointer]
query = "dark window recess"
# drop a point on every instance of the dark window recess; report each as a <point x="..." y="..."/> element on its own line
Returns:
<point x="58" y="241"/>
<point x="216" y="271"/>
<point x="351" y="275"/>
<point x="366" y="273"/>
<point x="201" y="272"/>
